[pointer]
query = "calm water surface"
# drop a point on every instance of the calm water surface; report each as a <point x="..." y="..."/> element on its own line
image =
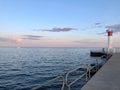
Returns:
<point x="23" y="68"/>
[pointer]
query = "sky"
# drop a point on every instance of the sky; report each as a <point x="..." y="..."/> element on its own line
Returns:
<point x="59" y="23"/>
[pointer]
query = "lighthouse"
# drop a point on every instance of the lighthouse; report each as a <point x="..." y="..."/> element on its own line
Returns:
<point x="110" y="48"/>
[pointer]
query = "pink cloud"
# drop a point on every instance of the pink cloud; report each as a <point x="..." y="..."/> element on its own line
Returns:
<point x="18" y="40"/>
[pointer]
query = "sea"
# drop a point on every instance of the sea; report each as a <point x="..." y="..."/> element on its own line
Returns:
<point x="28" y="67"/>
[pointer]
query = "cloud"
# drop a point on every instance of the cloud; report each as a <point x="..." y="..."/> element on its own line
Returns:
<point x="10" y="40"/>
<point x="4" y="39"/>
<point x="32" y="37"/>
<point x="97" y="23"/>
<point x="18" y="40"/>
<point x="88" y="42"/>
<point x="102" y="33"/>
<point x="93" y="26"/>
<point x="115" y="27"/>
<point x="57" y="29"/>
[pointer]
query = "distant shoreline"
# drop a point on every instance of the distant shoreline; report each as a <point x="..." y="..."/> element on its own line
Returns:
<point x="49" y="47"/>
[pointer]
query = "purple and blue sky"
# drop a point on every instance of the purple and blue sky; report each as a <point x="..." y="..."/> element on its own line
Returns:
<point x="58" y="23"/>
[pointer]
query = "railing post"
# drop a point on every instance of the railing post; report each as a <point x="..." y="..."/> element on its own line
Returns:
<point x="86" y="73"/>
<point x="68" y="87"/>
<point x="86" y="77"/>
<point x="97" y="66"/>
<point x="89" y="71"/>
<point x="63" y="84"/>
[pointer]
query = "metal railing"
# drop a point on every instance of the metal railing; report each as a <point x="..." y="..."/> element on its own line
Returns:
<point x="105" y="58"/>
<point x="69" y="72"/>
<point x="64" y="78"/>
<point x="50" y="81"/>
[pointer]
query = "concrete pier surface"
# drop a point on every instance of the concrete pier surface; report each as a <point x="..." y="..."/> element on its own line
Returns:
<point x="108" y="77"/>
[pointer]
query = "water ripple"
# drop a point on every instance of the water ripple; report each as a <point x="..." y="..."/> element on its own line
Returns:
<point x="21" y="69"/>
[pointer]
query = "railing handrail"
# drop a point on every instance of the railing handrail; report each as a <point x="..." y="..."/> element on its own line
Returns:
<point x="65" y="78"/>
<point x="63" y="83"/>
<point x="79" y="77"/>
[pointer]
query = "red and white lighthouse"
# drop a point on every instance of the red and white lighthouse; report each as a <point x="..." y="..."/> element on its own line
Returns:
<point x="110" y="32"/>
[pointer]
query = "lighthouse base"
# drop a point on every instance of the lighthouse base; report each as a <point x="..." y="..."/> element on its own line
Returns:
<point x="111" y="50"/>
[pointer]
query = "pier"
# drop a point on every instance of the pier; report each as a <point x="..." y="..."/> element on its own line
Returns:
<point x="108" y="77"/>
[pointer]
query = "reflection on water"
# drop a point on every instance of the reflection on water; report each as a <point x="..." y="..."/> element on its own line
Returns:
<point x="23" y="68"/>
